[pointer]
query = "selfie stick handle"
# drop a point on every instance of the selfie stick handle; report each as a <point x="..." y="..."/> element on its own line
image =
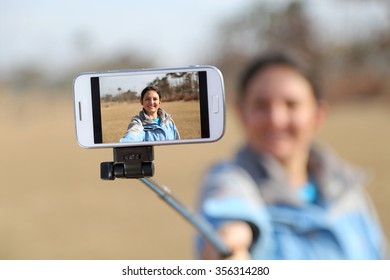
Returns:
<point x="201" y="225"/>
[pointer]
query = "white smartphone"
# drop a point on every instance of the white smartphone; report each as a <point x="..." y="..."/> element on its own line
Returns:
<point x="141" y="107"/>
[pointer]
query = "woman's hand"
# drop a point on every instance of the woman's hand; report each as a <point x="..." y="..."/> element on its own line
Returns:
<point x="238" y="236"/>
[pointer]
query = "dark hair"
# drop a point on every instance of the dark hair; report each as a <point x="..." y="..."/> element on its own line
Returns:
<point x="148" y="88"/>
<point x="277" y="59"/>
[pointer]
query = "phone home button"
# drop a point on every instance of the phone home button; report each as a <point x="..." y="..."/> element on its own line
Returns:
<point x="215" y="104"/>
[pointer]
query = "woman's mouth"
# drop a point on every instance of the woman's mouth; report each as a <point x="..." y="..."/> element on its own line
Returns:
<point x="276" y="136"/>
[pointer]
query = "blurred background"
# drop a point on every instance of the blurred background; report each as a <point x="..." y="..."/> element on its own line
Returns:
<point x="53" y="204"/>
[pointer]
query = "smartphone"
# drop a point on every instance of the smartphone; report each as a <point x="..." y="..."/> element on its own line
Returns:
<point x="139" y="107"/>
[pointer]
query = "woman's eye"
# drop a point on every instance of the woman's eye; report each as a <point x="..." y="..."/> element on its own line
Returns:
<point x="260" y="106"/>
<point x="292" y="104"/>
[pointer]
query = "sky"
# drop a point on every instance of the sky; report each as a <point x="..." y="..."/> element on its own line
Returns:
<point x="110" y="85"/>
<point x="56" y="35"/>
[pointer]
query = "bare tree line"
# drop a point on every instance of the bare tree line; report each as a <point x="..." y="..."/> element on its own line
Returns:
<point x="172" y="86"/>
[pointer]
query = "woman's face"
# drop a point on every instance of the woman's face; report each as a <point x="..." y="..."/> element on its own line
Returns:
<point x="151" y="102"/>
<point x="279" y="112"/>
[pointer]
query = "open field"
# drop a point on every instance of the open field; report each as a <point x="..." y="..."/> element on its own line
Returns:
<point x="117" y="116"/>
<point x="53" y="204"/>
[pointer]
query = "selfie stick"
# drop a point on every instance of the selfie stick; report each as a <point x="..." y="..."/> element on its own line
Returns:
<point x="137" y="163"/>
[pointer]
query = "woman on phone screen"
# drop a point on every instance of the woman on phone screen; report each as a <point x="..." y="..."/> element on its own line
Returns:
<point x="152" y="123"/>
<point x="283" y="196"/>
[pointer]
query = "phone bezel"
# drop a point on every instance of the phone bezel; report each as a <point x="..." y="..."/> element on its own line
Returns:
<point x="84" y="116"/>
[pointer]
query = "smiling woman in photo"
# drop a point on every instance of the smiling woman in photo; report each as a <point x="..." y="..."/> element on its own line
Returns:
<point x="152" y="123"/>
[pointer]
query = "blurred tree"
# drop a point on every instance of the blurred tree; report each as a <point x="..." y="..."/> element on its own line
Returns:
<point x="362" y="59"/>
<point x="265" y="27"/>
<point x="28" y="77"/>
<point x="290" y="29"/>
<point x="357" y="69"/>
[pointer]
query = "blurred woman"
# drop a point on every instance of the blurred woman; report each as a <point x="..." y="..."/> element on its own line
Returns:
<point x="284" y="196"/>
<point x="152" y="123"/>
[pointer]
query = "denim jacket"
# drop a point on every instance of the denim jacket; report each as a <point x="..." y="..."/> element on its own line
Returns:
<point x="342" y="224"/>
<point x="142" y="128"/>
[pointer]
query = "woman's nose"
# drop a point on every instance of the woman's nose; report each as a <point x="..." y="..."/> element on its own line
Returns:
<point x="277" y="117"/>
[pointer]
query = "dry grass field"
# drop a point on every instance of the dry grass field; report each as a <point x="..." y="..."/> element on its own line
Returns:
<point x="116" y="118"/>
<point x="53" y="204"/>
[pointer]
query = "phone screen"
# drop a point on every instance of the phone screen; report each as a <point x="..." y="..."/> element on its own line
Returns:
<point x="119" y="114"/>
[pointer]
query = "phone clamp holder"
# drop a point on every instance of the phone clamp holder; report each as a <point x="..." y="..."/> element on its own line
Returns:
<point x="132" y="163"/>
<point x="137" y="163"/>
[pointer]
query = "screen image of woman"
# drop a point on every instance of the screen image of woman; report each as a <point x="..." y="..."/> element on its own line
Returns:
<point x="152" y="123"/>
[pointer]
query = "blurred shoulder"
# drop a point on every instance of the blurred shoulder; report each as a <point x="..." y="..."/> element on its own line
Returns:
<point x="228" y="179"/>
<point x="329" y="165"/>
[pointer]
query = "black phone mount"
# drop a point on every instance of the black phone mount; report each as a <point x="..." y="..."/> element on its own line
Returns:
<point x="137" y="163"/>
<point x="131" y="163"/>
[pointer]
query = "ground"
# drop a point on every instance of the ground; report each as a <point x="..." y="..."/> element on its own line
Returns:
<point x="53" y="204"/>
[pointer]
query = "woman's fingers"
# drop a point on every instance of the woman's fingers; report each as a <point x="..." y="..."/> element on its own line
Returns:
<point x="237" y="235"/>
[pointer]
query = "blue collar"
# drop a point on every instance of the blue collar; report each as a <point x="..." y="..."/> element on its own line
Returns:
<point x="308" y="192"/>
